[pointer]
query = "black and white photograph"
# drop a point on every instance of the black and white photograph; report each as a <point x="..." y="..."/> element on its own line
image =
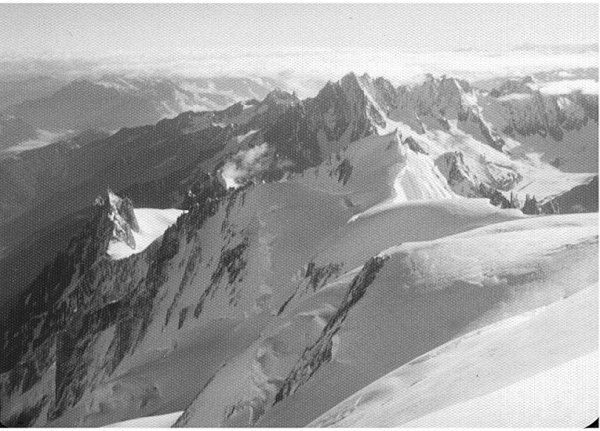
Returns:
<point x="284" y="215"/>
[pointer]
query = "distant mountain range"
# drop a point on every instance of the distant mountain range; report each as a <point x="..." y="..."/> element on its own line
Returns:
<point x="53" y="108"/>
<point x="113" y="102"/>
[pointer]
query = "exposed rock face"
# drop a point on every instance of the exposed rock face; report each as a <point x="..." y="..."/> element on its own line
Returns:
<point x="453" y="167"/>
<point x="438" y="98"/>
<point x="440" y="103"/>
<point x="460" y="179"/>
<point x="77" y="299"/>
<point x="413" y="145"/>
<point x="320" y="352"/>
<point x="30" y="344"/>
<point x="583" y="198"/>
<point x="512" y="86"/>
<point x="122" y="214"/>
<point x="343" y="171"/>
<point x="463" y="182"/>
<point x="339" y="114"/>
<point x="91" y="312"/>
<point x="300" y="367"/>
<point x="340" y="110"/>
<point x="531" y="206"/>
<point x="496" y="198"/>
<point x="488" y="132"/>
<point x="445" y="103"/>
<point x="280" y="97"/>
<point x="531" y="112"/>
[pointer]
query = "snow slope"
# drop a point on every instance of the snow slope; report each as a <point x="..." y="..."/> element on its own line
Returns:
<point x="378" y="169"/>
<point x="160" y="421"/>
<point x="153" y="223"/>
<point x="425" y="294"/>
<point x="564" y="396"/>
<point x="538" y="368"/>
<point x="291" y="226"/>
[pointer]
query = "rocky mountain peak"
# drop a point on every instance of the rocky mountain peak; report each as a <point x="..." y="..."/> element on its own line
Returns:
<point x="281" y="97"/>
<point x="514" y="86"/>
<point x="444" y="97"/>
<point x="122" y="215"/>
<point x="350" y="80"/>
<point x="452" y="166"/>
<point x="528" y="79"/>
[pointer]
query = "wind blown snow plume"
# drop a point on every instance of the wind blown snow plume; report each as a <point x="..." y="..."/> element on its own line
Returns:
<point x="244" y="165"/>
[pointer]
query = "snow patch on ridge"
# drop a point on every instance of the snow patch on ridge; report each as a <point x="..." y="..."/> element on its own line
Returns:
<point x="160" y="421"/>
<point x="153" y="223"/>
<point x="241" y="138"/>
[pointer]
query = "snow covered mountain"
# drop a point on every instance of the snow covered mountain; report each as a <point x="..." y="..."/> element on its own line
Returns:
<point x="310" y="261"/>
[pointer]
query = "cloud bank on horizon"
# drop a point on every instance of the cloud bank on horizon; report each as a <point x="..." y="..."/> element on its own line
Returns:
<point x="302" y="45"/>
<point x="306" y="69"/>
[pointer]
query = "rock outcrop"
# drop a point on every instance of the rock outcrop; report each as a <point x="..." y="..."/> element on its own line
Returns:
<point x="121" y="213"/>
<point x="582" y="198"/>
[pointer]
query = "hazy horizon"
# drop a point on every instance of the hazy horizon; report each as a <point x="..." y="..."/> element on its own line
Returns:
<point x="297" y="41"/>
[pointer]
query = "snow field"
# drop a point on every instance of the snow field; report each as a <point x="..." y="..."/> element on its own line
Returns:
<point x="153" y="223"/>
<point x="426" y="294"/>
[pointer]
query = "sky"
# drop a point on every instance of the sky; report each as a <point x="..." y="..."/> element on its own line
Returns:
<point x="395" y="40"/>
<point x="108" y="28"/>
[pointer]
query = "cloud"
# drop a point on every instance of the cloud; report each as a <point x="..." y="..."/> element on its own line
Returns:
<point x="585" y="86"/>
<point x="304" y="70"/>
<point x="244" y="165"/>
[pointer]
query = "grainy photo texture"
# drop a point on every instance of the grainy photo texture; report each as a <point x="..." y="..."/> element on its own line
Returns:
<point x="290" y="215"/>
